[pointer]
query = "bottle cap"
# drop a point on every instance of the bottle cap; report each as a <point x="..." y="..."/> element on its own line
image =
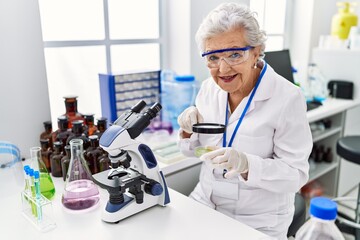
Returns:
<point x="47" y="124"/>
<point x="102" y="119"/>
<point x="36" y="174"/>
<point x="62" y="121"/>
<point x="31" y="172"/>
<point x="89" y="118"/>
<point x="323" y="208"/>
<point x="185" y="78"/>
<point x="93" y="138"/>
<point x="26" y="169"/>
<point x="70" y="97"/>
<point x="58" y="144"/>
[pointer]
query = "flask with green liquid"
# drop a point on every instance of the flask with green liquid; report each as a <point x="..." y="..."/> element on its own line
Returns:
<point x="47" y="187"/>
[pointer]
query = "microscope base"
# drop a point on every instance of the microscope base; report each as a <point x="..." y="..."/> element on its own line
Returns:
<point x="128" y="209"/>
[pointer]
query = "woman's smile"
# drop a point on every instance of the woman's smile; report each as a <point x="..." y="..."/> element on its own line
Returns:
<point x="228" y="79"/>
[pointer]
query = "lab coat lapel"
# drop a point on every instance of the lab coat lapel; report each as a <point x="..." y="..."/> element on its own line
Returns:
<point x="223" y="101"/>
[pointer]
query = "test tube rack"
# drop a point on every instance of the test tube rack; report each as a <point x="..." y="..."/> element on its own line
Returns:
<point x="38" y="211"/>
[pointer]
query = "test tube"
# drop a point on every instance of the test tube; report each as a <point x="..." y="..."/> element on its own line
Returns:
<point x="38" y="194"/>
<point x="32" y="188"/>
<point x="27" y="179"/>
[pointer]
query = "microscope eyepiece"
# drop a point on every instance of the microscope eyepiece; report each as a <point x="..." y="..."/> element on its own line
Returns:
<point x="153" y="110"/>
<point x="139" y="106"/>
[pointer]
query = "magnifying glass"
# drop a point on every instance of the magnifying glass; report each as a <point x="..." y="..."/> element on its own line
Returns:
<point x="209" y="128"/>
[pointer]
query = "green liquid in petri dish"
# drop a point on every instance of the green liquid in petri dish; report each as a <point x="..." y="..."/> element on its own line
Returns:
<point x="202" y="150"/>
<point x="47" y="187"/>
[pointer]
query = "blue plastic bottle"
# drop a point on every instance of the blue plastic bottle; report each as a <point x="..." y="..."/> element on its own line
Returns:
<point x="321" y="225"/>
<point x="176" y="96"/>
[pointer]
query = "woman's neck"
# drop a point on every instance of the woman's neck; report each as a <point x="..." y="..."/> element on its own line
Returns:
<point x="235" y="98"/>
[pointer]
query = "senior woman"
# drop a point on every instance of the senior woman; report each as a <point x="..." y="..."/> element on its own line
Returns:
<point x="261" y="160"/>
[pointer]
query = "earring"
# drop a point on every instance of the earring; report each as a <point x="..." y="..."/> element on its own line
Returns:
<point x="255" y="66"/>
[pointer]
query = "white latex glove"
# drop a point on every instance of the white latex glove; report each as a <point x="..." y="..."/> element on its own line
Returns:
<point x="188" y="118"/>
<point x="228" y="158"/>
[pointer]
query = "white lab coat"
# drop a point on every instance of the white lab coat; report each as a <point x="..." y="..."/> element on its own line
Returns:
<point x="276" y="138"/>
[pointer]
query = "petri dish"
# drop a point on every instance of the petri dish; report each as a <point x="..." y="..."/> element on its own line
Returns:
<point x="199" y="151"/>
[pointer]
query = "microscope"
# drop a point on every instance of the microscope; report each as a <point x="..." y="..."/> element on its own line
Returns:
<point x="134" y="181"/>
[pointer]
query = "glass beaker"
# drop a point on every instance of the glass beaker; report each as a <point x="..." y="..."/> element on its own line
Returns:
<point x="80" y="191"/>
<point x="47" y="187"/>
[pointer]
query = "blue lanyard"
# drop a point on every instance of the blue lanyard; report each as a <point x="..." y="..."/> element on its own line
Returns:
<point x="244" y="111"/>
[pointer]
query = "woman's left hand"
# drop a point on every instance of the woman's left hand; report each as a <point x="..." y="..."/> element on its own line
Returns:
<point x="233" y="161"/>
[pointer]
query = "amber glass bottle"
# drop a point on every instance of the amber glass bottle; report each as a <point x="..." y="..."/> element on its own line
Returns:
<point x="46" y="152"/>
<point x="55" y="159"/>
<point x="71" y="110"/>
<point x="62" y="133"/>
<point x="65" y="161"/>
<point x="77" y="131"/>
<point x="90" y="128"/>
<point x="104" y="161"/>
<point x="93" y="153"/>
<point x="101" y="126"/>
<point x="46" y="134"/>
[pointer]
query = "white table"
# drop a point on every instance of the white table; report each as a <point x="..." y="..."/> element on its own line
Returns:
<point x="182" y="218"/>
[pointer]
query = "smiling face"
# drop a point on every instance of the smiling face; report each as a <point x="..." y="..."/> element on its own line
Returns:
<point x="235" y="79"/>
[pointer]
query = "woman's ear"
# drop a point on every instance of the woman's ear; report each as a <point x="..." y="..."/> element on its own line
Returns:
<point x="257" y="51"/>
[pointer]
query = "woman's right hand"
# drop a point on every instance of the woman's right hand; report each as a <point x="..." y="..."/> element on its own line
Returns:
<point x="188" y="118"/>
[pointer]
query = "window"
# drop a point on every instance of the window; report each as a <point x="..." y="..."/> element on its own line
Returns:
<point x="271" y="15"/>
<point x="83" y="38"/>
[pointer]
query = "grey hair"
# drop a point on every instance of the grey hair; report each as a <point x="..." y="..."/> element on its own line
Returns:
<point x="229" y="16"/>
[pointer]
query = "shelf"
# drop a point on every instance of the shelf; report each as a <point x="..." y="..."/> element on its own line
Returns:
<point x="321" y="169"/>
<point x="317" y="136"/>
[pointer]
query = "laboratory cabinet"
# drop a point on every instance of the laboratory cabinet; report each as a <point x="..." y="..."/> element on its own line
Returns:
<point x="343" y="64"/>
<point x="335" y="112"/>
<point x="326" y="172"/>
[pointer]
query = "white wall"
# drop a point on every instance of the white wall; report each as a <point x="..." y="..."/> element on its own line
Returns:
<point x="185" y="17"/>
<point x="178" y="33"/>
<point x="24" y="99"/>
<point x="311" y="20"/>
<point x="199" y="10"/>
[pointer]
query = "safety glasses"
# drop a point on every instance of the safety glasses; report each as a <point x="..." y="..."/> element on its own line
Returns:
<point x="232" y="56"/>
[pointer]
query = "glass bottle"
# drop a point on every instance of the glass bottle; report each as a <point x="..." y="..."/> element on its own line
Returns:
<point x="65" y="161"/>
<point x="46" y="152"/>
<point x="80" y="192"/>
<point x="90" y="128"/>
<point x="104" y="161"/>
<point x="317" y="83"/>
<point x="101" y="126"/>
<point x="62" y="133"/>
<point x="47" y="133"/>
<point x="55" y="159"/>
<point x="78" y="132"/>
<point x="93" y="153"/>
<point x="321" y="225"/>
<point x="46" y="183"/>
<point x="71" y="110"/>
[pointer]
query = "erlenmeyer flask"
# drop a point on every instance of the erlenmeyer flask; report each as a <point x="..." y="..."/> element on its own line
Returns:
<point x="47" y="187"/>
<point x="80" y="191"/>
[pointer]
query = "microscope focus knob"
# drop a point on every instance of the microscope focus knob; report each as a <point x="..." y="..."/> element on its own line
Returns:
<point x="153" y="188"/>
